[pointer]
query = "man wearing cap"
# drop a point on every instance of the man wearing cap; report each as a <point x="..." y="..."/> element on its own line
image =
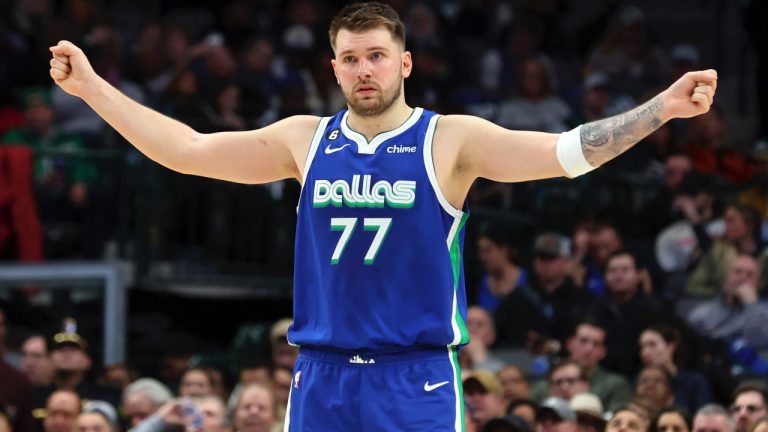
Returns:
<point x="71" y="366"/>
<point x="555" y="415"/>
<point x="589" y="412"/>
<point x="549" y="307"/>
<point x="484" y="394"/>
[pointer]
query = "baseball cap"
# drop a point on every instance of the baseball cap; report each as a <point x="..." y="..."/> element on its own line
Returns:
<point x="588" y="409"/>
<point x="552" y="245"/>
<point x="279" y="330"/>
<point x="558" y="407"/>
<point x="69" y="336"/>
<point x="484" y="381"/>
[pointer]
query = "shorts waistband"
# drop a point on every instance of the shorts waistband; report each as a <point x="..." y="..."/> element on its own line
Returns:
<point x="363" y="357"/>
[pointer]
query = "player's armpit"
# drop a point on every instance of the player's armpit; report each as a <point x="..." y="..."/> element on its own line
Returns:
<point x="272" y="153"/>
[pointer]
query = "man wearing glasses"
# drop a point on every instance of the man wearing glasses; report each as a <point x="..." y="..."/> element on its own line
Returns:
<point x="748" y="405"/>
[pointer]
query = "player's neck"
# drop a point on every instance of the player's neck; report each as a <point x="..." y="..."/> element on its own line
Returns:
<point x="391" y="119"/>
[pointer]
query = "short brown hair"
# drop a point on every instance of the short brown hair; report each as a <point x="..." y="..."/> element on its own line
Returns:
<point x="367" y="16"/>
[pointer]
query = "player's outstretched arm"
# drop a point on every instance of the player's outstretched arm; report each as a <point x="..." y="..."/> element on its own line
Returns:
<point x="471" y="147"/>
<point x="689" y="96"/>
<point x="259" y="156"/>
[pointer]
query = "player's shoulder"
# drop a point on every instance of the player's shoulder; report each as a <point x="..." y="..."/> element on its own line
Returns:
<point x="461" y="122"/>
<point x="457" y="127"/>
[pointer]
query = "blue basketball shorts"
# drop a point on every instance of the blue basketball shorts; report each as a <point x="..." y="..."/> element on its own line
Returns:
<point x="415" y="390"/>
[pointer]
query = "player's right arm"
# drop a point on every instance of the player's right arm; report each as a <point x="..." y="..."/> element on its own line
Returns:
<point x="271" y="153"/>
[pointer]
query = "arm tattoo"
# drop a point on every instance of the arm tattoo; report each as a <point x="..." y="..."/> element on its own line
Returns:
<point x="603" y="140"/>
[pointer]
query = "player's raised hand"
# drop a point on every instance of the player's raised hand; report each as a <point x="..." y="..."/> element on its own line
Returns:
<point x="690" y="95"/>
<point x="70" y="68"/>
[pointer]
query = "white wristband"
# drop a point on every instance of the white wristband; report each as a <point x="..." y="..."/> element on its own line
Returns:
<point x="570" y="154"/>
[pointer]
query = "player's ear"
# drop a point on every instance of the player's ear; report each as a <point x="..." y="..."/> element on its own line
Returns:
<point x="407" y="64"/>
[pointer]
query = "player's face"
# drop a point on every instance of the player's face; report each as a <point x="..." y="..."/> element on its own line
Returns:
<point x="370" y="67"/>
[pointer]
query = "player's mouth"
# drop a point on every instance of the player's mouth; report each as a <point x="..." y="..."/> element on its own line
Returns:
<point x="365" y="90"/>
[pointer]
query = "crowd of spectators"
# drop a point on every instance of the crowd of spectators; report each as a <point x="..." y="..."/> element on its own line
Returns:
<point x="632" y="298"/>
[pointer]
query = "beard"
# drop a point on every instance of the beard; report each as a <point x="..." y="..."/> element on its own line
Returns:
<point x="374" y="107"/>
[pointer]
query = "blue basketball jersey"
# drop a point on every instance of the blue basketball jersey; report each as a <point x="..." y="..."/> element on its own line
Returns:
<point x="378" y="247"/>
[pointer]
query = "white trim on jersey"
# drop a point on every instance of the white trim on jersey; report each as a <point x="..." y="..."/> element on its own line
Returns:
<point x="456" y="383"/>
<point x="432" y="174"/>
<point x="365" y="147"/>
<point x="313" y="147"/>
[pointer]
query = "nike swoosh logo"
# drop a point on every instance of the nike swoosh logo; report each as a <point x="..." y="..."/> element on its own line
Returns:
<point x="329" y="150"/>
<point x="429" y="387"/>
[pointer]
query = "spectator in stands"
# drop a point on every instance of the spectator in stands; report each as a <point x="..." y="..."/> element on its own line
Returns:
<point x="15" y="389"/>
<point x="587" y="348"/>
<point x="589" y="412"/>
<point x="604" y="241"/>
<point x="502" y="274"/>
<point x="525" y="409"/>
<point x="484" y="394"/>
<point x="658" y="346"/>
<point x="482" y="335"/>
<point x="62" y="179"/>
<point x="671" y="420"/>
<point x="514" y="384"/>
<point x="627" y="53"/>
<point x="627" y="420"/>
<point x="742" y="236"/>
<point x="655" y="383"/>
<point x="737" y="312"/>
<point x="661" y="211"/>
<point x="255" y="410"/>
<point x="118" y="375"/>
<point x="749" y="405"/>
<point x="196" y="381"/>
<point x="537" y="107"/>
<point x="566" y="379"/>
<point x="282" y="378"/>
<point x="72" y="366"/>
<point x="142" y="398"/>
<point x="625" y="311"/>
<point x="172" y="415"/>
<point x="283" y="353"/>
<point x="98" y="416"/>
<point x="61" y="411"/>
<point x="706" y="140"/>
<point x="544" y="311"/>
<point x="712" y="418"/>
<point x="555" y="415"/>
<point x="36" y="362"/>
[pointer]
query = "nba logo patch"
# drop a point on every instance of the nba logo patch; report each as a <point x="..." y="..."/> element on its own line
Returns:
<point x="296" y="380"/>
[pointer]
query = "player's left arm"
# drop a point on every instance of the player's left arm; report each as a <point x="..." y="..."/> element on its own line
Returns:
<point x="486" y="150"/>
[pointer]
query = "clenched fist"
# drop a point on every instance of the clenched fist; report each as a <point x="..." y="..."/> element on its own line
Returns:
<point x="70" y="68"/>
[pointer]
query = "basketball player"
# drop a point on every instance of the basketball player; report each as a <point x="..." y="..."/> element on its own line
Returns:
<point x="379" y="301"/>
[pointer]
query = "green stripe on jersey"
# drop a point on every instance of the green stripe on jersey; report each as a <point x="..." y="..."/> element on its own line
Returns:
<point x="456" y="264"/>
